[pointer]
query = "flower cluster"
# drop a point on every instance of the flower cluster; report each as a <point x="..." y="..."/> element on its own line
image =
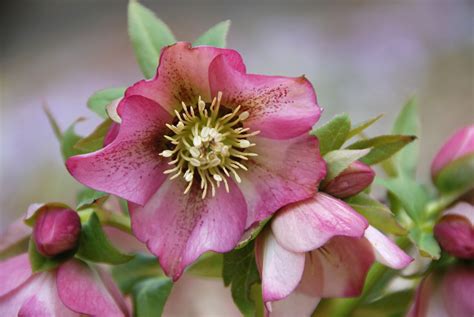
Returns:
<point x="205" y="164"/>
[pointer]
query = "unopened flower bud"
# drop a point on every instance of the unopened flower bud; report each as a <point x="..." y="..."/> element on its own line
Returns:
<point x="56" y="231"/>
<point x="455" y="231"/>
<point x="458" y="145"/>
<point x="351" y="181"/>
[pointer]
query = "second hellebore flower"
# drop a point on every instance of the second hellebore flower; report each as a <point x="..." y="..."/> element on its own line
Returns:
<point x="319" y="248"/>
<point x="205" y="150"/>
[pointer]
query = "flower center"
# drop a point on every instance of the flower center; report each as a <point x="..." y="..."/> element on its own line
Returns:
<point x="209" y="144"/>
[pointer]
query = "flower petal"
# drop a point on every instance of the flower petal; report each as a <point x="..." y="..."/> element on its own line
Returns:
<point x="279" y="107"/>
<point x="285" y="171"/>
<point x="182" y="75"/>
<point x="428" y="301"/>
<point x="338" y="269"/>
<point x="82" y="290"/>
<point x="296" y="304"/>
<point x="14" y="272"/>
<point x="457" y="291"/>
<point x="130" y="166"/>
<point x="281" y="270"/>
<point x="179" y="227"/>
<point x="308" y="225"/>
<point x="386" y="251"/>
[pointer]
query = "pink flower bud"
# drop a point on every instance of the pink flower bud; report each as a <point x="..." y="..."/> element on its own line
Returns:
<point x="56" y="230"/>
<point x="458" y="145"/>
<point x="351" y="181"/>
<point x="455" y="231"/>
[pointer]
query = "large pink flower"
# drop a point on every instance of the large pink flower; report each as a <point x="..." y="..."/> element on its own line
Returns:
<point x="204" y="151"/>
<point x="319" y="247"/>
<point x="445" y="294"/>
<point x="73" y="289"/>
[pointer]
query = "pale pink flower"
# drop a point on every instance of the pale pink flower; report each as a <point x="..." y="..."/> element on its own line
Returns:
<point x="455" y="231"/>
<point x="204" y="151"/>
<point x="72" y="289"/>
<point x="445" y="294"/>
<point x="319" y="248"/>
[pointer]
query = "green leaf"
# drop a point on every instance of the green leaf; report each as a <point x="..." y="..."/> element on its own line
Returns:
<point x="208" y="265"/>
<point x="382" y="147"/>
<point x="40" y="263"/>
<point x="88" y="196"/>
<point x="333" y="134"/>
<point x="412" y="196"/>
<point x="388" y="305"/>
<point x="458" y="175"/>
<point x="94" y="141"/>
<point x="252" y="233"/>
<point x="408" y="123"/>
<point x="337" y="161"/>
<point x="69" y="139"/>
<point x="425" y="242"/>
<point x="148" y="35"/>
<point x="240" y="271"/>
<point x="149" y="296"/>
<point x="376" y="213"/>
<point x="359" y="128"/>
<point x="53" y="123"/>
<point x="95" y="246"/>
<point x="140" y="268"/>
<point x="100" y="99"/>
<point x="215" y="36"/>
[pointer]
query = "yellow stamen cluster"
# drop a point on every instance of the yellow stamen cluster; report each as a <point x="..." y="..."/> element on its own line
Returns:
<point x="208" y="145"/>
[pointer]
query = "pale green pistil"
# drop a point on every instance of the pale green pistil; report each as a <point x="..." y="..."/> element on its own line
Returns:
<point x="213" y="147"/>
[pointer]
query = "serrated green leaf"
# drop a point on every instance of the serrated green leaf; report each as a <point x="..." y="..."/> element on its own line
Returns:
<point x="337" y="161"/>
<point x="208" y="265"/>
<point x="140" y="268"/>
<point x="376" y="213"/>
<point x="148" y="35"/>
<point x="412" y="196"/>
<point x="100" y="99"/>
<point x="360" y="127"/>
<point x="149" y="296"/>
<point x="240" y="271"/>
<point x="408" y="123"/>
<point x="215" y="36"/>
<point x="87" y="196"/>
<point x="95" y="140"/>
<point x="425" y="242"/>
<point x="53" y="123"/>
<point x="69" y="139"/>
<point x="333" y="134"/>
<point x="382" y="147"/>
<point x="95" y="246"/>
<point x="40" y="263"/>
<point x="458" y="175"/>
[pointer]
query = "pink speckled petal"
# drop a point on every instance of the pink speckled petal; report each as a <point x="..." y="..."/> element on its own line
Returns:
<point x="281" y="270"/>
<point x="285" y="171"/>
<point x="182" y="75"/>
<point x="129" y="167"/>
<point x="82" y="290"/>
<point x="338" y="269"/>
<point x="279" y="107"/>
<point x="14" y="272"/>
<point x="386" y="251"/>
<point x="309" y="224"/>
<point x="178" y="228"/>
<point x="111" y="134"/>
<point x="459" y="144"/>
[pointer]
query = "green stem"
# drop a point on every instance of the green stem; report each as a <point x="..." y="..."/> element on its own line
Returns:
<point x="113" y="219"/>
<point x="437" y="206"/>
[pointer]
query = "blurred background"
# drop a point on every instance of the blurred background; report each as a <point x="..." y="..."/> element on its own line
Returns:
<point x="363" y="57"/>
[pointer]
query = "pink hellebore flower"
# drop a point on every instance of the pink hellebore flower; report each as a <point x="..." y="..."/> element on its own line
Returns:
<point x="458" y="145"/>
<point x="73" y="289"/>
<point x="446" y="294"/>
<point x="205" y="150"/>
<point x="56" y="231"/>
<point x="455" y="231"/>
<point x="319" y="247"/>
<point x="354" y="179"/>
